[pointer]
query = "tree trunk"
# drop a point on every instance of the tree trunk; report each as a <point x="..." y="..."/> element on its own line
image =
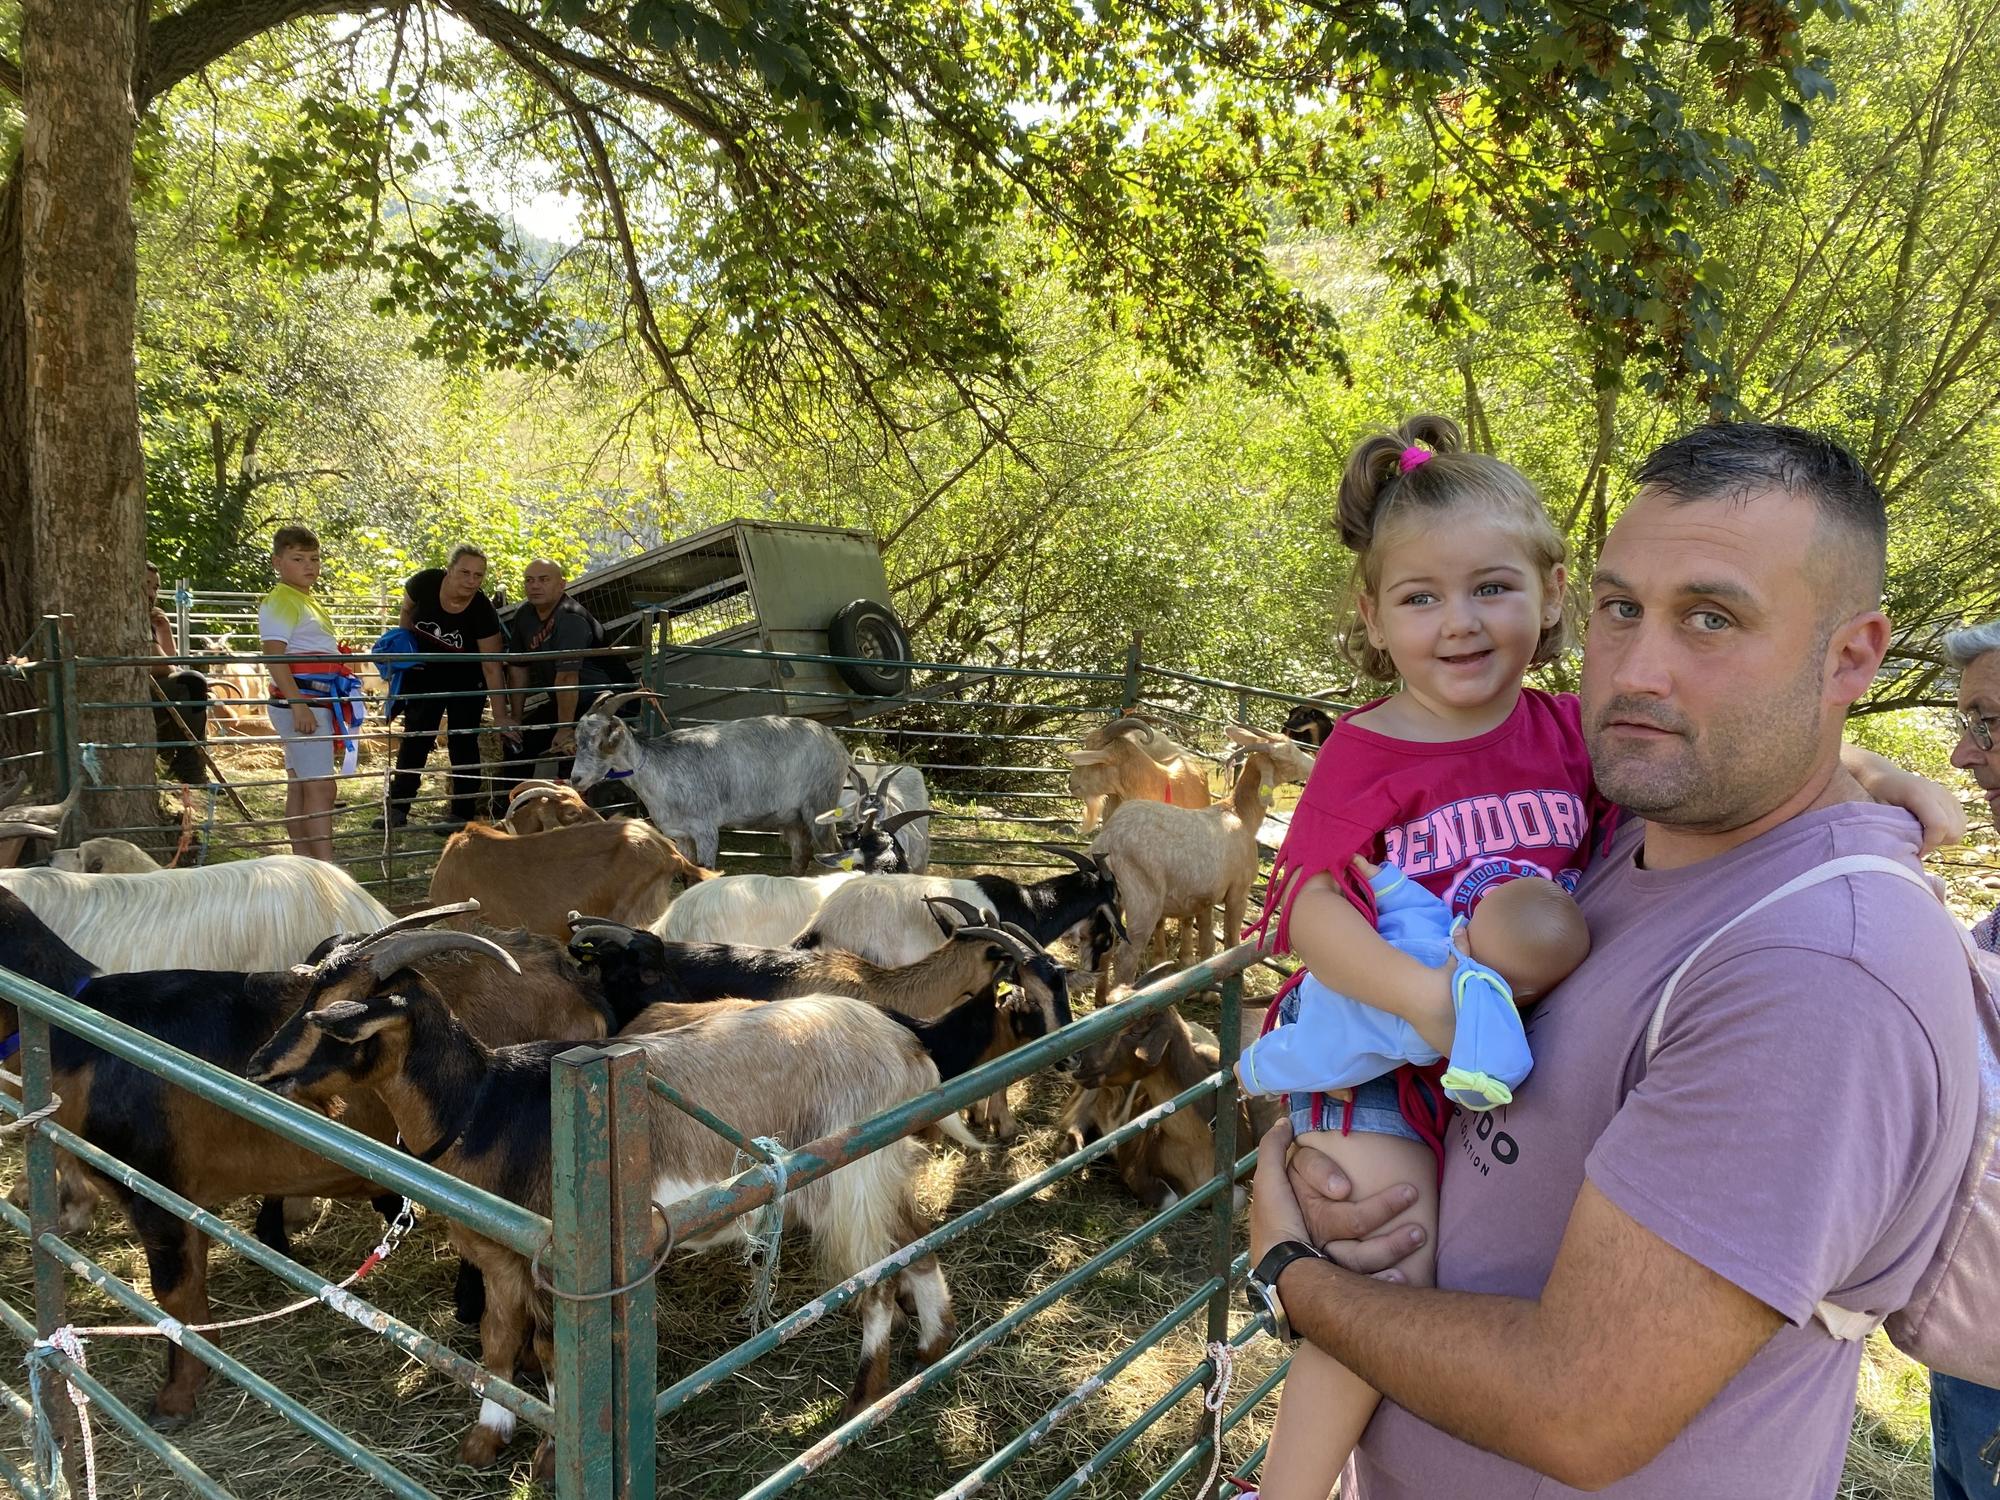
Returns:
<point x="18" y="611"/>
<point x="80" y="290"/>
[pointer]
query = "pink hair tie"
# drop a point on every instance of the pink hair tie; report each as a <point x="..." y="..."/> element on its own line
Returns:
<point x="1413" y="456"/>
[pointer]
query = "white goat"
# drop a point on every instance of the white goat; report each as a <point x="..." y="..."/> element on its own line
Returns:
<point x="252" y="915"/>
<point x="884" y="917"/>
<point x="765" y="911"/>
<point x="104" y="857"/>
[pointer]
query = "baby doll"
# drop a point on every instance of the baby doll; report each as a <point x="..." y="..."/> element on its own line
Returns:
<point x="1522" y="939"/>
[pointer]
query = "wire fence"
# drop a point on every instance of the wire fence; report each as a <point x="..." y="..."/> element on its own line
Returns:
<point x="990" y="740"/>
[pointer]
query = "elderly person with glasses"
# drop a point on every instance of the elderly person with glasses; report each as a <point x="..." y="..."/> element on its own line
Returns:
<point x="1965" y="1418"/>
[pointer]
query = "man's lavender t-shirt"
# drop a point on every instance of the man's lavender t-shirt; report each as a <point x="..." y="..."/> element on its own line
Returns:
<point x="1800" y="1131"/>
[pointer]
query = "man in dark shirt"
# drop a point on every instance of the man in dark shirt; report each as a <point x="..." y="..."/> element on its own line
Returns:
<point x="546" y="683"/>
<point x="447" y="610"/>
<point x="185" y="687"/>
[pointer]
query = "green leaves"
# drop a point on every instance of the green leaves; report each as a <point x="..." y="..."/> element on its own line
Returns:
<point x="341" y="195"/>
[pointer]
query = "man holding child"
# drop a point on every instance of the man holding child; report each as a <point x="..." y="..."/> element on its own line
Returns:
<point x="1641" y="1258"/>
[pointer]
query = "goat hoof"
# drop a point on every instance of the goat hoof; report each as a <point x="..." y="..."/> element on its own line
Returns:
<point x="480" y="1447"/>
<point x="163" y="1419"/>
<point x="929" y="1354"/>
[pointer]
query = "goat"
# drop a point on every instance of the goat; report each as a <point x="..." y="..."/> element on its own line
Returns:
<point x="1290" y="760"/>
<point x="634" y="968"/>
<point x="1118" y="768"/>
<point x="764" y="910"/>
<point x="796" y="1072"/>
<point x="532" y="880"/>
<point x="247" y="915"/>
<point x="768" y="772"/>
<point x="1169" y="861"/>
<point x="876" y="823"/>
<point x="884" y="919"/>
<point x="1153" y="1059"/>
<point x="104" y="857"/>
<point x="1308" y="725"/>
<point x="538" y="806"/>
<point x="191" y="1146"/>
<point x="973" y="1026"/>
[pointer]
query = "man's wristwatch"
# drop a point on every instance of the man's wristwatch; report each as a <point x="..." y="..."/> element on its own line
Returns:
<point x="1261" y="1290"/>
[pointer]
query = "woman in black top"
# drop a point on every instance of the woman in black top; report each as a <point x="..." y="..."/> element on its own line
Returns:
<point x="447" y="610"/>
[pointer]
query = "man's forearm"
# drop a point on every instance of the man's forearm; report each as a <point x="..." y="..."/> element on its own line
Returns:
<point x="1469" y="1365"/>
<point x="566" y="698"/>
<point x="496" y="692"/>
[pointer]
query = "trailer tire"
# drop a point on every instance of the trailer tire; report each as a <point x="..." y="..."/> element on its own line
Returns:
<point x="868" y="629"/>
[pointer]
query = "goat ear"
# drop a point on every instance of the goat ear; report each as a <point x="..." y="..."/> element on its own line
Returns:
<point x="1159" y="1036"/>
<point x="1089" y="757"/>
<point x="831" y="815"/>
<point x="845" y="861"/>
<point x="354" y="1020"/>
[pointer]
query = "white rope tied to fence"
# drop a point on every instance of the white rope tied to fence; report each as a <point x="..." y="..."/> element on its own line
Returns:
<point x="68" y="1341"/>
<point x="24" y="1121"/>
<point x="1212" y="1401"/>
<point x="766" y="1235"/>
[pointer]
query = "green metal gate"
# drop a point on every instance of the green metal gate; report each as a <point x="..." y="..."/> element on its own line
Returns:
<point x="618" y="1432"/>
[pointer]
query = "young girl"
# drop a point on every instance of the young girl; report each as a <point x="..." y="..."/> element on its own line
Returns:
<point x="1464" y="779"/>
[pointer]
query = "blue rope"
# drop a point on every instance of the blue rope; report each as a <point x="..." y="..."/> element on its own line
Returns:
<point x="766" y="1235"/>
<point x="47" y="1449"/>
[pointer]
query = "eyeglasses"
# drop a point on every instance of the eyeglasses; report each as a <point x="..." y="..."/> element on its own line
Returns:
<point x="1976" y="727"/>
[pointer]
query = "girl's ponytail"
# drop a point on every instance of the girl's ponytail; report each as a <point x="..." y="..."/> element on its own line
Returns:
<point x="1377" y="464"/>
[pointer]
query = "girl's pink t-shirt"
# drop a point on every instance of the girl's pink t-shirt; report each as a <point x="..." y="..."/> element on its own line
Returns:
<point x="1457" y="818"/>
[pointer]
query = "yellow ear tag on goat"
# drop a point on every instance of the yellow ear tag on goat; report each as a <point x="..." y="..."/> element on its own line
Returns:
<point x="1003" y="990"/>
<point x="848" y="862"/>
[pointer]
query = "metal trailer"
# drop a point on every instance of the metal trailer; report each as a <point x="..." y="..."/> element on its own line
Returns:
<point x="757" y="586"/>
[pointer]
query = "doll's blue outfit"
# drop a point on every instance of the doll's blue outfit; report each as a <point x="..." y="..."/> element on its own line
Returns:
<point x="1338" y="1043"/>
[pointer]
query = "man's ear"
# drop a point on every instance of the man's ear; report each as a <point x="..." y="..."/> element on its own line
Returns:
<point x="1854" y="655"/>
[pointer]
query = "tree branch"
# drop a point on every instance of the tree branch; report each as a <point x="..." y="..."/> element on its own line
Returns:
<point x="10" y="75"/>
<point x="179" y="46"/>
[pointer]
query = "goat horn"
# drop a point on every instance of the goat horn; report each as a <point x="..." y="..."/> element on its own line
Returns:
<point x="577" y="919"/>
<point x="1081" y="861"/>
<point x="998" y="935"/>
<point x="533" y="794"/>
<point x="883" y="780"/>
<point x="10" y="829"/>
<point x="610" y="706"/>
<point x="856" y="780"/>
<point x="965" y="909"/>
<point x="406" y="948"/>
<point x="1034" y="945"/>
<point x="901" y="819"/>
<point x="1129" y="725"/>
<point x="415" y="919"/>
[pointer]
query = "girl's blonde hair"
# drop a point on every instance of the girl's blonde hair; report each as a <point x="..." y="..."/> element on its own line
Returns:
<point x="1379" y="495"/>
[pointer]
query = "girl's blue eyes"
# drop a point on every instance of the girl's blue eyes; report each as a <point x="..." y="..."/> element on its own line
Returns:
<point x="1484" y="591"/>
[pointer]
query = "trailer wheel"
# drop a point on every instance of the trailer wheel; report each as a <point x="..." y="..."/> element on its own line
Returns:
<point x="867" y="629"/>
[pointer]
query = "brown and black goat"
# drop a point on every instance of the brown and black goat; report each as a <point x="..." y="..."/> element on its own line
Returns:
<point x="1151" y="1060"/>
<point x="795" y="1071"/>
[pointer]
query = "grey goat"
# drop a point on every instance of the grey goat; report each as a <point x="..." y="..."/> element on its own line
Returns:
<point x="769" y="772"/>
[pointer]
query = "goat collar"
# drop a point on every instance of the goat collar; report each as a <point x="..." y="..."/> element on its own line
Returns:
<point x="9" y="1047"/>
<point x="616" y="775"/>
<point x="429" y="1155"/>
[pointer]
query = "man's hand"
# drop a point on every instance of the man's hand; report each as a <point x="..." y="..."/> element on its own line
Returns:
<point x="565" y="742"/>
<point x="1300" y="1194"/>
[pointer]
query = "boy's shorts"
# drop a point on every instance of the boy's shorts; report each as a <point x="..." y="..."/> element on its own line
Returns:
<point x="307" y="757"/>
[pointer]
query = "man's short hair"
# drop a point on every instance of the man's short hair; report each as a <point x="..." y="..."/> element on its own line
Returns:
<point x="1964" y="647"/>
<point x="1733" y="460"/>
<point x="463" y="549"/>
<point x="289" y="537"/>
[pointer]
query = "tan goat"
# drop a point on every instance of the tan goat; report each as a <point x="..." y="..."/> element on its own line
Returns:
<point x="1139" y="1068"/>
<point x="538" y="806"/>
<point x="624" y="869"/>
<point x="1122" y="762"/>
<point x="1170" y="861"/>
